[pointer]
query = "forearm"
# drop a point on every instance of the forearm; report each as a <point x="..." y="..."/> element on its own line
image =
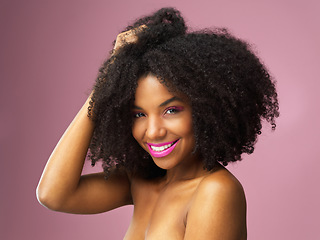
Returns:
<point x="62" y="173"/>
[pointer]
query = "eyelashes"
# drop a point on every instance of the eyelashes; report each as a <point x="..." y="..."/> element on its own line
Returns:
<point x="168" y="111"/>
<point x="138" y="114"/>
<point x="173" y="110"/>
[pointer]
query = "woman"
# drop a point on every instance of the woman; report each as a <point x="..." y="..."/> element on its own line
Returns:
<point x="168" y="110"/>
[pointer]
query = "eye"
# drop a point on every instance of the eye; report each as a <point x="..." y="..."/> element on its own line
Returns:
<point x="173" y="110"/>
<point x="138" y="115"/>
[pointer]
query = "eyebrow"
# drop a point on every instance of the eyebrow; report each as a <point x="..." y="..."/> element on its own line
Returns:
<point x="164" y="103"/>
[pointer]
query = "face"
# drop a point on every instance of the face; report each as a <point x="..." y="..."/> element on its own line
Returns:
<point x="162" y="123"/>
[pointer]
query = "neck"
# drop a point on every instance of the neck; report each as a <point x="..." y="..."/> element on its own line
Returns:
<point x="191" y="169"/>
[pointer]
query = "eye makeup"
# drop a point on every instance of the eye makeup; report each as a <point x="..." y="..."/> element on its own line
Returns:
<point x="175" y="109"/>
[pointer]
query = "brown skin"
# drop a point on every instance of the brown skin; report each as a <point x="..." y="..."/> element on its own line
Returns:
<point x="161" y="118"/>
<point x="188" y="203"/>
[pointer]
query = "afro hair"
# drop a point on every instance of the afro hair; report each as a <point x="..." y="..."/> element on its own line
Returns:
<point x="230" y="91"/>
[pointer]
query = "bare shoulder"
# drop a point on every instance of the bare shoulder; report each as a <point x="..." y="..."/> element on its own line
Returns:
<point x="218" y="209"/>
<point x="221" y="184"/>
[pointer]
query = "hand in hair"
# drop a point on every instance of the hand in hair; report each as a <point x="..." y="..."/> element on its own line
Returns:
<point x="126" y="37"/>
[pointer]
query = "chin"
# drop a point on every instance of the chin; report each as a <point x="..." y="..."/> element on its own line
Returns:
<point x="165" y="164"/>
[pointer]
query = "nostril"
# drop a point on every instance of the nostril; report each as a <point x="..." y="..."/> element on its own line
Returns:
<point x="156" y="133"/>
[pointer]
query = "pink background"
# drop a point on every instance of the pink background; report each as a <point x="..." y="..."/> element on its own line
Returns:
<point x="50" y="54"/>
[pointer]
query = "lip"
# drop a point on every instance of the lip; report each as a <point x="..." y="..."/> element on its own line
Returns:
<point x="164" y="152"/>
<point x="161" y="144"/>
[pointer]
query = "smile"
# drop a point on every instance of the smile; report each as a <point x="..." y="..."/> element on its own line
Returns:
<point x="162" y="149"/>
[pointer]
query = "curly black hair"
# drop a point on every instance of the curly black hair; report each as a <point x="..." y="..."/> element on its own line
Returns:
<point x="230" y="90"/>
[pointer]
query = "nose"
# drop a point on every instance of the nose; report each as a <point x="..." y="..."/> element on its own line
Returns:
<point x="155" y="129"/>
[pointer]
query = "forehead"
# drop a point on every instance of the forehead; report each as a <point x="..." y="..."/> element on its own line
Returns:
<point x="150" y="87"/>
<point x="152" y="91"/>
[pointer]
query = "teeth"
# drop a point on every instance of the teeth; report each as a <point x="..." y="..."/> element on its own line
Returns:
<point x="159" y="149"/>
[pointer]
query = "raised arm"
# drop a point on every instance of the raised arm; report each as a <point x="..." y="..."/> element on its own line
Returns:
<point x="62" y="188"/>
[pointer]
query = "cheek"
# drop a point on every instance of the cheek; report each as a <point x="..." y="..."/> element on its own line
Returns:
<point x="184" y="127"/>
<point x="137" y="131"/>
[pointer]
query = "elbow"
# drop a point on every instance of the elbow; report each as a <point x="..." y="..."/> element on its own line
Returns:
<point x="47" y="199"/>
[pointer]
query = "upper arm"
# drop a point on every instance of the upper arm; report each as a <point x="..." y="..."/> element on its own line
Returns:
<point x="95" y="194"/>
<point x="218" y="211"/>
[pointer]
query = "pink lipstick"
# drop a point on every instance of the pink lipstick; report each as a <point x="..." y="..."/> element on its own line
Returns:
<point x="162" y="149"/>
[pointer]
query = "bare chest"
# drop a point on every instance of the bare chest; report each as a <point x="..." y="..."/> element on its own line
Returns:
<point x="160" y="213"/>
